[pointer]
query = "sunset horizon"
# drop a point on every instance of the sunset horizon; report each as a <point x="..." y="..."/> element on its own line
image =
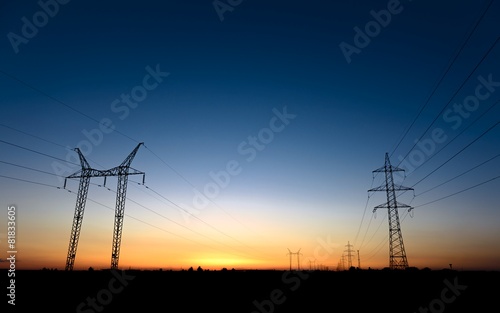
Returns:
<point x="318" y="136"/>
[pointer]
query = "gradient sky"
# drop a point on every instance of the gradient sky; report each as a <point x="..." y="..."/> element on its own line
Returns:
<point x="229" y="72"/>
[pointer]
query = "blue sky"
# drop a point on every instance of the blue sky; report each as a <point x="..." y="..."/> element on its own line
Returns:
<point x="219" y="82"/>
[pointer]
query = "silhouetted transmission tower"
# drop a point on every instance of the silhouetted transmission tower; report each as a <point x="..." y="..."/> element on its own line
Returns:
<point x="349" y="255"/>
<point x="397" y="254"/>
<point x="298" y="254"/>
<point x="122" y="171"/>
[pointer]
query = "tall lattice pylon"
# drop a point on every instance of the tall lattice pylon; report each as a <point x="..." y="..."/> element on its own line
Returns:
<point x="86" y="172"/>
<point x="397" y="254"/>
<point x="349" y="255"/>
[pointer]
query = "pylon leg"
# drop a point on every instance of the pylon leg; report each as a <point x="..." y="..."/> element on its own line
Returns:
<point x="77" y="221"/>
<point x="119" y="213"/>
<point x="397" y="252"/>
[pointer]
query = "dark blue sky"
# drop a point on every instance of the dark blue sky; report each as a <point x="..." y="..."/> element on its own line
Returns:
<point x="224" y="80"/>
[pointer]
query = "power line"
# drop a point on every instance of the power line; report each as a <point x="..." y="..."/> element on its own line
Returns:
<point x="48" y="173"/>
<point x="108" y="207"/>
<point x="453" y="194"/>
<point x="193" y="186"/>
<point x="177" y="235"/>
<point x="214" y="228"/>
<point x="80" y="112"/>
<point x="45" y="140"/>
<point x="376" y="231"/>
<point x="450" y="64"/>
<point x="430" y="202"/>
<point x="386" y="238"/>
<point x="371" y="219"/>
<point x="362" y="218"/>
<point x="30" y="181"/>
<point x="377" y="247"/>
<point x="463" y="173"/>
<point x="60" y="102"/>
<point x="31" y="169"/>
<point x="451" y="99"/>
<point x="456" y="154"/>
<point x="34" y="136"/>
<point x="172" y="221"/>
<point x="48" y="185"/>
<point x="196" y="217"/>
<point x="366" y="232"/>
<point x="459" y="134"/>
<point x="37" y="152"/>
<point x="459" y="192"/>
<point x="40" y="171"/>
<point x="115" y="130"/>
<point x="364" y="211"/>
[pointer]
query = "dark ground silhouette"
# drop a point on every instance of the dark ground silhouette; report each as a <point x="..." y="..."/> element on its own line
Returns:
<point x="256" y="291"/>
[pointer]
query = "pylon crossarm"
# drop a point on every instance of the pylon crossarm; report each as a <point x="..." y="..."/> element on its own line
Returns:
<point x="130" y="157"/>
<point x="396" y="188"/>
<point x="119" y="170"/>
<point x="75" y="175"/>
<point x="133" y="171"/>
<point x="401" y="188"/>
<point x="388" y="168"/>
<point x="89" y="173"/>
<point x="402" y="205"/>
<point x="399" y="205"/>
<point x="380" y="188"/>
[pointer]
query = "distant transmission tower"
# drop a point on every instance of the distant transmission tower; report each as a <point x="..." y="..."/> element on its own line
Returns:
<point x="122" y="171"/>
<point x="290" y="253"/>
<point x="349" y="255"/>
<point x="397" y="254"/>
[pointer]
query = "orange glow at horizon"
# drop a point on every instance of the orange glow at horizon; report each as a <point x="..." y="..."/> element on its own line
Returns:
<point x="43" y="243"/>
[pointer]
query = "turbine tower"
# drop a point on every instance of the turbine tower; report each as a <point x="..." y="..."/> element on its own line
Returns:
<point x="397" y="254"/>
<point x="86" y="172"/>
